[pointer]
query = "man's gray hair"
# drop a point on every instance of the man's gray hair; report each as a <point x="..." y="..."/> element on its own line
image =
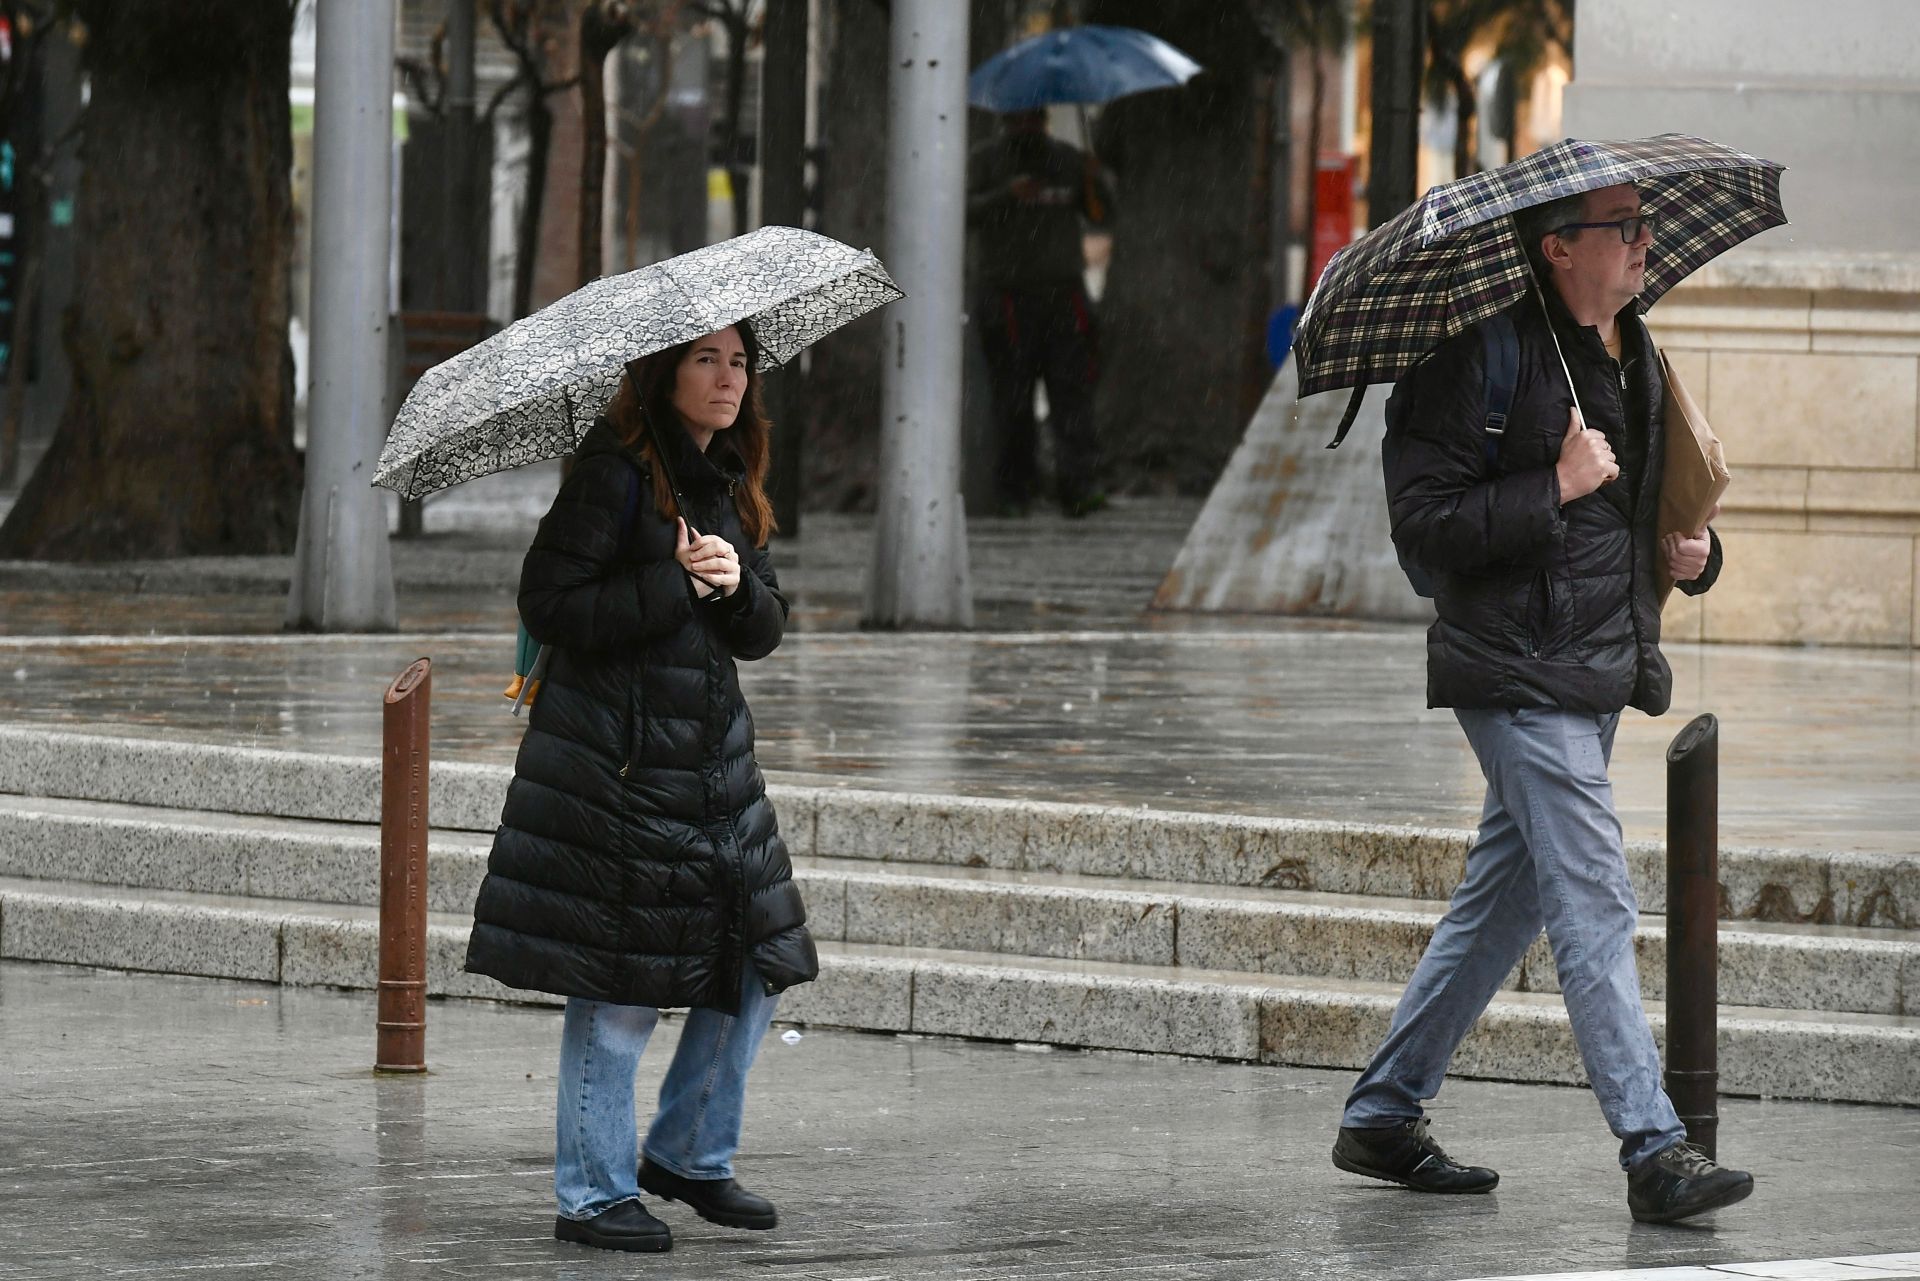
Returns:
<point x="1536" y="221"/>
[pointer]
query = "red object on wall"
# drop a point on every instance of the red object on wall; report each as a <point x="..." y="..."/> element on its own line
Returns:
<point x="1332" y="210"/>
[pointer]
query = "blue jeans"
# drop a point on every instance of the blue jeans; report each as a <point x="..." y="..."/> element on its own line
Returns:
<point x="697" y="1129"/>
<point x="1549" y="854"/>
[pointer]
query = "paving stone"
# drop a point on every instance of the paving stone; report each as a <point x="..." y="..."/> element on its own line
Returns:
<point x="208" y="1110"/>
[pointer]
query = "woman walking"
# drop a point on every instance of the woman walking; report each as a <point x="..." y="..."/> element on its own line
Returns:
<point x="638" y="865"/>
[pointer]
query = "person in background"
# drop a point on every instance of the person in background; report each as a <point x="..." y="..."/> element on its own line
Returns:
<point x="1030" y="198"/>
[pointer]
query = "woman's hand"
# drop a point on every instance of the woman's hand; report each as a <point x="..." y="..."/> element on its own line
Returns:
<point x="710" y="559"/>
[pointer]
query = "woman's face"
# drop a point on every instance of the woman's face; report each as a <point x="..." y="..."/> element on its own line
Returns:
<point x="711" y="381"/>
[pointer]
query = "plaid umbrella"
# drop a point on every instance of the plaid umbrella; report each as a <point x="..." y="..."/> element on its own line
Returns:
<point x="532" y="390"/>
<point x="1454" y="258"/>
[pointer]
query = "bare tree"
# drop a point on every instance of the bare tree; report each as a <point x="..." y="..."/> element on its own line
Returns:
<point x="531" y="30"/>
<point x="177" y="437"/>
<point x="603" y="26"/>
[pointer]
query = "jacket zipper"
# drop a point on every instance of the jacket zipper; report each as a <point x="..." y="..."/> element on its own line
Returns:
<point x="1633" y="516"/>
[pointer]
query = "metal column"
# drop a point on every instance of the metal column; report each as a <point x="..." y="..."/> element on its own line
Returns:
<point x="919" y="573"/>
<point x="343" y="572"/>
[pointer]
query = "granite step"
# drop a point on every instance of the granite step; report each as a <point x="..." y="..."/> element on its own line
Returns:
<point x="1265" y="1018"/>
<point x="1173" y="925"/>
<point x="1788" y="886"/>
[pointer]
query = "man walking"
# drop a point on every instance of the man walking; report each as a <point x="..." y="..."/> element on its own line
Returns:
<point x="1542" y="546"/>
<point x="1027" y="194"/>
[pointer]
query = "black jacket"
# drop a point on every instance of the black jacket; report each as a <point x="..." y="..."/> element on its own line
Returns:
<point x="1035" y="244"/>
<point x="1539" y="605"/>
<point x="637" y="859"/>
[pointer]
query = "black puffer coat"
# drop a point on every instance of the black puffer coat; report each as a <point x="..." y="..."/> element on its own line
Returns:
<point x="637" y="859"/>
<point x="1539" y="605"/>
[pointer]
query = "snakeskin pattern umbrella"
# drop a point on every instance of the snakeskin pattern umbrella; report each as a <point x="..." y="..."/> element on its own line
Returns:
<point x="1454" y="258"/>
<point x="532" y="390"/>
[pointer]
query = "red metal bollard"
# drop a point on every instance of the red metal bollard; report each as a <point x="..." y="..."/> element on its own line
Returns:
<point x="405" y="755"/>
<point x="1693" y="928"/>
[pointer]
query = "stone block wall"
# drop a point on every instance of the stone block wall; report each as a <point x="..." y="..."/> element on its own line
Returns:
<point x="1808" y="367"/>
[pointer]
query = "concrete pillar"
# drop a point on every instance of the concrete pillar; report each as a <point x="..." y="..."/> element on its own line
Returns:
<point x="919" y="572"/>
<point x="343" y="574"/>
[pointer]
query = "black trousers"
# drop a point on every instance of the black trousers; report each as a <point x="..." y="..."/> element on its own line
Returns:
<point x="1042" y="332"/>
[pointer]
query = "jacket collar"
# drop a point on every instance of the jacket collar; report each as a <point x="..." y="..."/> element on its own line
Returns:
<point x="718" y="468"/>
<point x="691" y="470"/>
<point x="1584" y="340"/>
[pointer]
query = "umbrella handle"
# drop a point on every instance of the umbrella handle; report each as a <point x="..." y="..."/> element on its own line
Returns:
<point x="1553" y="333"/>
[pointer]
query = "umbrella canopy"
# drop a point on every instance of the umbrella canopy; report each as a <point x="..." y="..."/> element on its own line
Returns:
<point x="532" y="390"/>
<point x="1454" y="257"/>
<point x="1077" y="64"/>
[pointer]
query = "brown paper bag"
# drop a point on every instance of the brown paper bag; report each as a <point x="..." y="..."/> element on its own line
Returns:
<point x="1696" y="474"/>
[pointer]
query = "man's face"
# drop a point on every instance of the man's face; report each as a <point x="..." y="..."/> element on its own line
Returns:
<point x="1597" y="257"/>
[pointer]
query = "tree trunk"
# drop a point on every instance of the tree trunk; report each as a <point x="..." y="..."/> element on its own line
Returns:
<point x="1185" y="265"/>
<point x="599" y="33"/>
<point x="739" y="173"/>
<point x="1466" y="107"/>
<point x="842" y="396"/>
<point x="527" y="233"/>
<point x="177" y="437"/>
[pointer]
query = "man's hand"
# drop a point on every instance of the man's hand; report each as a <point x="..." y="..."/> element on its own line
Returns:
<point x="1586" y="461"/>
<point x="710" y="559"/>
<point x="1687" y="553"/>
<point x="1025" y="188"/>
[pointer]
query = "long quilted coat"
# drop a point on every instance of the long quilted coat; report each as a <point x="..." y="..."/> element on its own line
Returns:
<point x="637" y="859"/>
<point x="1539" y="604"/>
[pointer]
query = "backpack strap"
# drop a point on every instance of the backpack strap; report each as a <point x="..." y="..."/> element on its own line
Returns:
<point x="1502" y="346"/>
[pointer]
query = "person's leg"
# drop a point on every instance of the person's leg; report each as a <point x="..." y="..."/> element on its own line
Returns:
<point x="1493" y="918"/>
<point x="1553" y="770"/>
<point x="1011" y="384"/>
<point x="697" y="1130"/>
<point x="1070" y="364"/>
<point x="600" y="1047"/>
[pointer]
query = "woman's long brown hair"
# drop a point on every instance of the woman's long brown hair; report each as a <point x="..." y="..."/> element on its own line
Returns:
<point x="647" y="390"/>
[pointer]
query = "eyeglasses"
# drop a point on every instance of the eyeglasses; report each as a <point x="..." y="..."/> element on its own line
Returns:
<point x="1630" y="228"/>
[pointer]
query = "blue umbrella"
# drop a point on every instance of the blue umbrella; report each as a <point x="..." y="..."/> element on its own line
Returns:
<point x="1077" y="64"/>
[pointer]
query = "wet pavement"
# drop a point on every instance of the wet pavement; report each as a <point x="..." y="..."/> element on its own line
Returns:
<point x="194" y="1127"/>
<point x="1069" y="689"/>
<point x="1819" y="750"/>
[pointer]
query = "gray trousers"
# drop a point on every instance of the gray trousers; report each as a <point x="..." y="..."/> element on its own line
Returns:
<point x="1549" y="854"/>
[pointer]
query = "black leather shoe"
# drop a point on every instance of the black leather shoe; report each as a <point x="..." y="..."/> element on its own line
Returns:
<point x="1405" y="1154"/>
<point x="626" y="1226"/>
<point x="721" y="1201"/>
<point x="1682" y="1181"/>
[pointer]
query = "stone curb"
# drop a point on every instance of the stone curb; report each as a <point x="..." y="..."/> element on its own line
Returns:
<point x="1522" y="1037"/>
<point x="1785" y="886"/>
<point x="1174" y="926"/>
